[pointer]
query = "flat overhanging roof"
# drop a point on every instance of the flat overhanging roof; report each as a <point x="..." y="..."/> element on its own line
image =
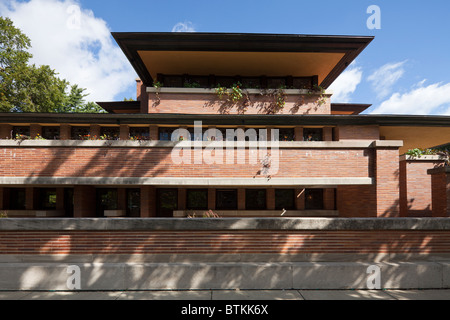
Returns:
<point x="230" y="54"/>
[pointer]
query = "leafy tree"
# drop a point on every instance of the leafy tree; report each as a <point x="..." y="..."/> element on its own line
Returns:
<point x="31" y="88"/>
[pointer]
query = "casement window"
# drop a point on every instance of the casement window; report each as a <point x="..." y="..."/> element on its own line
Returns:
<point x="312" y="134"/>
<point x="255" y="199"/>
<point x="314" y="199"/>
<point x="110" y="133"/>
<point x="284" y="199"/>
<point x="140" y="133"/>
<point x="51" y="133"/>
<point x="80" y="133"/>
<point x="197" y="199"/>
<point x="226" y="199"/>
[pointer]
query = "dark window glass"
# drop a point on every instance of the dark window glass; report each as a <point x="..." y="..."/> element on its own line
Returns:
<point x="106" y="200"/>
<point x="285" y="199"/>
<point x="51" y="133"/>
<point x="80" y="133"/>
<point x="255" y="199"/>
<point x="21" y="132"/>
<point x="110" y="133"/>
<point x="286" y="134"/>
<point x="314" y="199"/>
<point x="17" y="198"/>
<point x="197" y="199"/>
<point x="165" y="134"/>
<point x="47" y="199"/>
<point x="166" y="202"/>
<point x="139" y="133"/>
<point x="226" y="199"/>
<point x="133" y="202"/>
<point x="312" y="134"/>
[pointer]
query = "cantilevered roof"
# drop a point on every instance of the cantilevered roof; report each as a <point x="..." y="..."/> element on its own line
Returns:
<point x="230" y="54"/>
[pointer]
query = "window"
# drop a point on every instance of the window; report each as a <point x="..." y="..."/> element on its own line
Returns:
<point x="255" y="199"/>
<point x="21" y="132"/>
<point x="17" y="198"/>
<point x="199" y="135"/>
<point x="47" y="199"/>
<point x="312" y="134"/>
<point x="286" y="134"/>
<point x="110" y="133"/>
<point x="165" y="134"/>
<point x="106" y="200"/>
<point x="50" y="133"/>
<point x="197" y="199"/>
<point x="133" y="202"/>
<point x="139" y="133"/>
<point x="314" y="199"/>
<point x="226" y="199"/>
<point x="166" y="202"/>
<point x="285" y="199"/>
<point x="80" y="133"/>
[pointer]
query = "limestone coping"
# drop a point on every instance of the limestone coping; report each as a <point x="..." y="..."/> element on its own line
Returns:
<point x="427" y="157"/>
<point x="343" y="144"/>
<point x="186" y="224"/>
<point x="249" y="91"/>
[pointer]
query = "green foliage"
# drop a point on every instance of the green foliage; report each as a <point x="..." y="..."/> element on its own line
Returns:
<point x="31" y="88"/>
<point x="440" y="151"/>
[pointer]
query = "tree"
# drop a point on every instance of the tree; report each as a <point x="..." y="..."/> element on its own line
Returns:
<point x="31" y="88"/>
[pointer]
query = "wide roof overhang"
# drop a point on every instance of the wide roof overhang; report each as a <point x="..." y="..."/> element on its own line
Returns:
<point x="231" y="54"/>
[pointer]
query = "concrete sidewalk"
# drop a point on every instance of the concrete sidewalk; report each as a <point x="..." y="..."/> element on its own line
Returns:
<point x="237" y="295"/>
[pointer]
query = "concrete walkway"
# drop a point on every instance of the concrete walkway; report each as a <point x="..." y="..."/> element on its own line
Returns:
<point x="237" y="295"/>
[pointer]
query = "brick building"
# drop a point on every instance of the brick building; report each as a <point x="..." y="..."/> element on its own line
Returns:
<point x="240" y="124"/>
<point x="121" y="163"/>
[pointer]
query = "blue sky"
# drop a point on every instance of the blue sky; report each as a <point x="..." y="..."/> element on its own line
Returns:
<point x="404" y="70"/>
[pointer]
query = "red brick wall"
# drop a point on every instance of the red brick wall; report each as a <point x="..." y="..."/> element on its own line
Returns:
<point x="387" y="182"/>
<point x="356" y="201"/>
<point x="441" y="194"/>
<point x="152" y="162"/>
<point x="415" y="191"/>
<point x="210" y="104"/>
<point x="357" y="133"/>
<point x="224" y="242"/>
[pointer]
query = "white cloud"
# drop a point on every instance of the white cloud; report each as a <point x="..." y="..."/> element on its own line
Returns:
<point x="186" y="26"/>
<point x="420" y="100"/>
<point x="345" y="85"/>
<point x="75" y="43"/>
<point x="385" y="77"/>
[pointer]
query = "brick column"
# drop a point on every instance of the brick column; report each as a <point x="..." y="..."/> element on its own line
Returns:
<point x="300" y="199"/>
<point x="270" y="199"/>
<point x="59" y="198"/>
<point x="241" y="198"/>
<point x="387" y="181"/>
<point x="5" y="131"/>
<point x="298" y="132"/>
<point x="84" y="200"/>
<point x="65" y="132"/>
<point x="327" y="134"/>
<point x="154" y="133"/>
<point x="95" y="130"/>
<point x="124" y="132"/>
<point x="440" y="191"/>
<point x="121" y="199"/>
<point x="35" y="129"/>
<point x="148" y="201"/>
<point x="31" y="196"/>
<point x="328" y="199"/>
<point x="211" y="199"/>
<point x="2" y="198"/>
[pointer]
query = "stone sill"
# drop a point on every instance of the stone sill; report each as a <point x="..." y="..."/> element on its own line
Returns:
<point x="259" y="213"/>
<point x="344" y="144"/>
<point x="186" y="224"/>
<point x="34" y="213"/>
<point x="249" y="91"/>
<point x="406" y="157"/>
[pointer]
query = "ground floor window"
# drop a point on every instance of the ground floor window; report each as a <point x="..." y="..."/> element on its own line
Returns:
<point x="47" y="199"/>
<point x="314" y="199"/>
<point x="80" y="133"/>
<point x="226" y="199"/>
<point x="312" y="134"/>
<point x="284" y="199"/>
<point x="140" y="133"/>
<point x="255" y="199"/>
<point x="166" y="202"/>
<point x="110" y="133"/>
<point x="106" y="200"/>
<point x="17" y="199"/>
<point x="197" y="199"/>
<point x="51" y="133"/>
